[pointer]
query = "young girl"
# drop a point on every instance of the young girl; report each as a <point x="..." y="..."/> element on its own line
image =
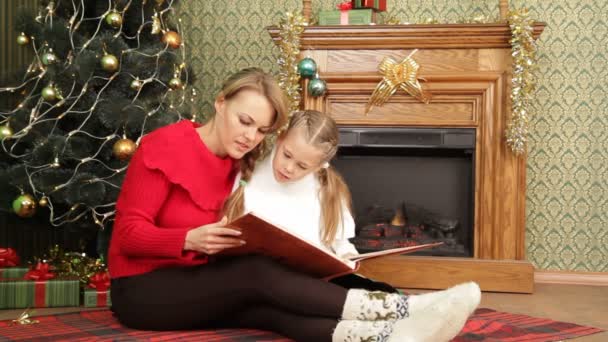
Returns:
<point x="300" y="191"/>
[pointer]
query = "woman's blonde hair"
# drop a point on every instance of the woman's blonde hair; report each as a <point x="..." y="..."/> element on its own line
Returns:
<point x="253" y="79"/>
<point x="321" y="132"/>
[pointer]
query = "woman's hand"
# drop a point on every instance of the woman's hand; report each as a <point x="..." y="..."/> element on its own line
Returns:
<point x="212" y="238"/>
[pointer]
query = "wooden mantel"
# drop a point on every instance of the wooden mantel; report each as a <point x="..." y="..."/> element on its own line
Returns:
<point x="445" y="36"/>
<point x="467" y="70"/>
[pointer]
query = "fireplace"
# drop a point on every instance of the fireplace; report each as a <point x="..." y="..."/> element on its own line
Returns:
<point x="410" y="186"/>
<point x="467" y="70"/>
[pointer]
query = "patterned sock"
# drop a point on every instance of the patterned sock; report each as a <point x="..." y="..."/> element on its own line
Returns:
<point x="357" y="331"/>
<point x="439" y="320"/>
<point x="374" y="306"/>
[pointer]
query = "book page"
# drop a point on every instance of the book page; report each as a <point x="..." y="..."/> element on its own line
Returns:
<point x="402" y="250"/>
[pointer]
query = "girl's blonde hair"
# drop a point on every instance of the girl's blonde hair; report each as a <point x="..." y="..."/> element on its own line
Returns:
<point x="321" y="132"/>
<point x="253" y="79"/>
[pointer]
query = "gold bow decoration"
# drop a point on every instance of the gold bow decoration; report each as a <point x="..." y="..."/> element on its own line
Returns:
<point x="402" y="75"/>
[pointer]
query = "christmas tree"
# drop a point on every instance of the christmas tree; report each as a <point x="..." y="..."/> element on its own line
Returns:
<point x="104" y="73"/>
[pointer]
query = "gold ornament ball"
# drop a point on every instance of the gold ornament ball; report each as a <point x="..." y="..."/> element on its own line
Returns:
<point x="43" y="202"/>
<point x="48" y="58"/>
<point x="24" y="206"/>
<point x="136" y="84"/>
<point x="173" y="39"/>
<point x="123" y="149"/>
<point x="49" y="93"/>
<point x="109" y="63"/>
<point x="175" y="83"/>
<point x="114" y="19"/>
<point x="5" y="132"/>
<point x="22" y="39"/>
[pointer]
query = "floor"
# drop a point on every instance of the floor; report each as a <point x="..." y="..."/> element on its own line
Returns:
<point x="587" y="305"/>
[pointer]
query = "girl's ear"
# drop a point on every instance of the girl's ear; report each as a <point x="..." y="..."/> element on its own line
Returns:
<point x="220" y="105"/>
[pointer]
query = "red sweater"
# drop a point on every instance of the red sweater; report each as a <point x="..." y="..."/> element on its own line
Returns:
<point x="173" y="184"/>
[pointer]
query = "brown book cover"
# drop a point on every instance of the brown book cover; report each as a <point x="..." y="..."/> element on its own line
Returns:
<point x="265" y="238"/>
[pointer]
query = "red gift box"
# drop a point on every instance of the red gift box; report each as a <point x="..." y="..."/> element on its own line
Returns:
<point x="376" y="5"/>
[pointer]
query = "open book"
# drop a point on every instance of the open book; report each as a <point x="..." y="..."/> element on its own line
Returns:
<point x="266" y="238"/>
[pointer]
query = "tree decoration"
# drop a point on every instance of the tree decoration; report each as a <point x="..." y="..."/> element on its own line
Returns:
<point x="176" y="83"/>
<point x="5" y="132"/>
<point x="136" y="84"/>
<point x="49" y="93"/>
<point x="109" y="62"/>
<point x="43" y="202"/>
<point x="402" y="75"/>
<point x="24" y="206"/>
<point x="48" y="58"/>
<point x="124" y="148"/>
<point x="114" y="19"/>
<point x="523" y="51"/>
<point x="156" y="24"/>
<point x="290" y="30"/>
<point x="22" y="39"/>
<point x="172" y="39"/>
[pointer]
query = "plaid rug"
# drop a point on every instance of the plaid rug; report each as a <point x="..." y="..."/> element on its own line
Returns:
<point x="484" y="325"/>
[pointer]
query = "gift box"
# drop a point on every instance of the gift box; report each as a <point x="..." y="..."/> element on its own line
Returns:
<point x="12" y="272"/>
<point x="376" y="5"/>
<point x="94" y="298"/>
<point x="38" y="289"/>
<point x="97" y="293"/>
<point x="17" y="294"/>
<point x="350" y="17"/>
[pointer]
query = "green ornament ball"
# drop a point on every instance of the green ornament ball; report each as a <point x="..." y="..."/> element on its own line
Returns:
<point x="317" y="87"/>
<point x="48" y="58"/>
<point x="49" y="93"/>
<point x="114" y="19"/>
<point x="5" y="132"/>
<point x="307" y="68"/>
<point x="136" y="84"/>
<point x="22" y="39"/>
<point x="175" y="83"/>
<point x="24" y="206"/>
<point x="109" y="63"/>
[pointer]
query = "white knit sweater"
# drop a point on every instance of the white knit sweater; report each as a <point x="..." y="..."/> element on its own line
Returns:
<point x="294" y="206"/>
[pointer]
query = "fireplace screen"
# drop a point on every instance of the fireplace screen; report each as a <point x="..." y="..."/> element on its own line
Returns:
<point x="410" y="186"/>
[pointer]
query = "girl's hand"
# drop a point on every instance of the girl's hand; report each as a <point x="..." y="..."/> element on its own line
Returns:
<point x="212" y="238"/>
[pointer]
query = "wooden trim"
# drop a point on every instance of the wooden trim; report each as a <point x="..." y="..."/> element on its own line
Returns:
<point x="435" y="36"/>
<point x="442" y="272"/>
<point x="571" y="278"/>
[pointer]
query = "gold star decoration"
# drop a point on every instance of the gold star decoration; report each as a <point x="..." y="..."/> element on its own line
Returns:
<point x="402" y="75"/>
<point x="24" y="319"/>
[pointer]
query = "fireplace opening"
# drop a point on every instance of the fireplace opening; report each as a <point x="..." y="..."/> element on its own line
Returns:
<point x="410" y="186"/>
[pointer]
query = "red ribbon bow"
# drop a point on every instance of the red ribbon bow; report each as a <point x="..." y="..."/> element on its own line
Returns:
<point x="8" y="257"/>
<point x="100" y="281"/>
<point x="40" y="272"/>
<point x="345" y="6"/>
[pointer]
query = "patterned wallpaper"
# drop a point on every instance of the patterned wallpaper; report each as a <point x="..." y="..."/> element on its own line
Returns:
<point x="567" y="199"/>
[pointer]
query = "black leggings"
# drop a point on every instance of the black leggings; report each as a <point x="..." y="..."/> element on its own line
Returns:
<point x="246" y="292"/>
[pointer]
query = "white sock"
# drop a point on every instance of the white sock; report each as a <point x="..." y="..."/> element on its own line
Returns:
<point x="419" y="302"/>
<point x="439" y="320"/>
<point x="356" y="331"/>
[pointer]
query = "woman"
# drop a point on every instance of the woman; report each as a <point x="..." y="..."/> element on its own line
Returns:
<point x="164" y="276"/>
